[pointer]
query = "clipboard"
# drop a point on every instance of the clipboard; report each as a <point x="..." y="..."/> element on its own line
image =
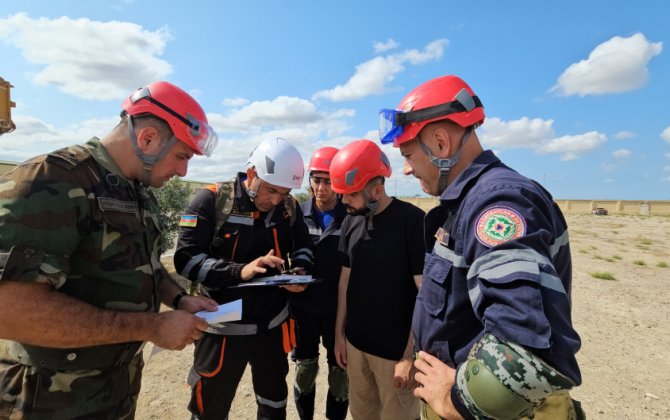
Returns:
<point x="278" y="280"/>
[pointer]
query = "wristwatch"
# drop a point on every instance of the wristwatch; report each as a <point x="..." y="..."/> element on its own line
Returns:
<point x="177" y="299"/>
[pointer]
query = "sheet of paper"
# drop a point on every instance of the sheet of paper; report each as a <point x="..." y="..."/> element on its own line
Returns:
<point x="278" y="280"/>
<point x="231" y="311"/>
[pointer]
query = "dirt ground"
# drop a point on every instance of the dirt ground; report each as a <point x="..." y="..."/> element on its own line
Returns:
<point x="625" y="357"/>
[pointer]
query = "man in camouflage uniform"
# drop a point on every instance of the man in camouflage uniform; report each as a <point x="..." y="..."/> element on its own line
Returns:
<point x="80" y="278"/>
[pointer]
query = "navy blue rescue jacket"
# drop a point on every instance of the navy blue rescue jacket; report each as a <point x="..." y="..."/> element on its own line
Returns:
<point x="501" y="265"/>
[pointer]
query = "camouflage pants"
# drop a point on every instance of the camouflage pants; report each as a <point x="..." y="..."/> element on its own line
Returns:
<point x="28" y="392"/>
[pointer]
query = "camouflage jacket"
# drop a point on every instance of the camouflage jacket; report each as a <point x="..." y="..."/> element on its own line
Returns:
<point x="92" y="235"/>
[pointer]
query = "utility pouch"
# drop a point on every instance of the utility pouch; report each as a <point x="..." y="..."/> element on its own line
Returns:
<point x="102" y="357"/>
<point x="21" y="263"/>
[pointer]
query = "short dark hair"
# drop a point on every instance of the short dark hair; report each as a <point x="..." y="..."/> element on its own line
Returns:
<point x="376" y="180"/>
<point x="149" y="120"/>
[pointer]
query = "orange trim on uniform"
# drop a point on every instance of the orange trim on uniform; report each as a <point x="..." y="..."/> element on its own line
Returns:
<point x="277" y="249"/>
<point x="198" y="398"/>
<point x="218" y="368"/>
<point x="285" y="336"/>
<point x="291" y="331"/>
<point x="232" y="255"/>
<point x="212" y="188"/>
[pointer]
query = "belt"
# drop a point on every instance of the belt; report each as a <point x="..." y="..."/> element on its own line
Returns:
<point x="84" y="358"/>
<point x="232" y="328"/>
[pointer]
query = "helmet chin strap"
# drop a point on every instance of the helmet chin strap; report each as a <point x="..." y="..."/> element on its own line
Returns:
<point x="148" y="161"/>
<point x="445" y="164"/>
<point x="252" y="191"/>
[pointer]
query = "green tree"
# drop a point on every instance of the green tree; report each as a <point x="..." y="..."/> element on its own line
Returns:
<point x="172" y="199"/>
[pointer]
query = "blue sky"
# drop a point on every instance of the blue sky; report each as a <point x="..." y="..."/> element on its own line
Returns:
<point x="575" y="93"/>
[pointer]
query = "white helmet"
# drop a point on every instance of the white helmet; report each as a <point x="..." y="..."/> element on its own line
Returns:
<point x="278" y="162"/>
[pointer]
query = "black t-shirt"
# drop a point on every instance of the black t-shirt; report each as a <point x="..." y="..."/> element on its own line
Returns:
<point x="381" y="290"/>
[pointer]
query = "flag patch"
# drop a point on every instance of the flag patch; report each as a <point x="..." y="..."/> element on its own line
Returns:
<point x="188" y="220"/>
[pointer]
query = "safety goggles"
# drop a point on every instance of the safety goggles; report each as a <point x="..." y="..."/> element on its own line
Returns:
<point x="393" y="121"/>
<point x="200" y="134"/>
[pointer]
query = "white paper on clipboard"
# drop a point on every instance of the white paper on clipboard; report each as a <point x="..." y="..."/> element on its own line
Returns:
<point x="278" y="280"/>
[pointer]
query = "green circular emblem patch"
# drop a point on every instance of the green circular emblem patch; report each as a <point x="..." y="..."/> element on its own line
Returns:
<point x="497" y="225"/>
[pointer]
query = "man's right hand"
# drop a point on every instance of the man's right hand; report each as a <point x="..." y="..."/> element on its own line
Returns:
<point x="177" y="329"/>
<point x="258" y="265"/>
<point x="341" y="350"/>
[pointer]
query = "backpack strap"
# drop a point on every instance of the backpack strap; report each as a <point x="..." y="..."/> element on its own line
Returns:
<point x="290" y="203"/>
<point x="225" y="199"/>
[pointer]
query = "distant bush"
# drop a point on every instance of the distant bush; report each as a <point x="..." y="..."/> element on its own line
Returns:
<point x="616" y="257"/>
<point x="603" y="275"/>
<point x="172" y="199"/>
<point x="639" y="262"/>
<point x="662" y="264"/>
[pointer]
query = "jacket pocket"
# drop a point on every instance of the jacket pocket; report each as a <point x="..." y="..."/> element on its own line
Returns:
<point x="436" y="282"/>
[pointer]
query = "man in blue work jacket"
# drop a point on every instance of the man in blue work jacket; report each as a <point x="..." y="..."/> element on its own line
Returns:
<point x="492" y="321"/>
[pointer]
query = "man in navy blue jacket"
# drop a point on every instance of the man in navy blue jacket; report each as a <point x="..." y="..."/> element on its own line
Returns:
<point x="492" y="321"/>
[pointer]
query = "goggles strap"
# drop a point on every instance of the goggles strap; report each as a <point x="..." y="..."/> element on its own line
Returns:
<point x="463" y="103"/>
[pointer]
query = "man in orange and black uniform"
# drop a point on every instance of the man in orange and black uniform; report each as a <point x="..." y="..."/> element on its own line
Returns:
<point x="255" y="239"/>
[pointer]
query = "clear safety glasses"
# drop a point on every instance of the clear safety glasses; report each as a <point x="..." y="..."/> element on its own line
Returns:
<point x="200" y="134"/>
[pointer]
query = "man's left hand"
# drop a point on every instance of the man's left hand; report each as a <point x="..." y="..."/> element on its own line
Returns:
<point x="194" y="304"/>
<point x="403" y="376"/>
<point x="435" y="379"/>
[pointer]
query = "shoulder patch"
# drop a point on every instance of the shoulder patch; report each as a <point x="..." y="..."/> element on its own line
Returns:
<point x="188" y="220"/>
<point x="497" y="225"/>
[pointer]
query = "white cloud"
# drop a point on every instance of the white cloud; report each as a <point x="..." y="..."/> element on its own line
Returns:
<point x="538" y="135"/>
<point x="624" y="135"/>
<point x="34" y="137"/>
<point x="608" y="180"/>
<point x="524" y="132"/>
<point x="235" y="102"/>
<point x="666" y="168"/>
<point x="372" y="77"/>
<point x="86" y="58"/>
<point x="665" y="179"/>
<point x="281" y="111"/>
<point x="617" y="65"/>
<point x="385" y="46"/>
<point x="667" y="155"/>
<point x="608" y="167"/>
<point x="621" y="153"/>
<point x="665" y="135"/>
<point x="571" y="147"/>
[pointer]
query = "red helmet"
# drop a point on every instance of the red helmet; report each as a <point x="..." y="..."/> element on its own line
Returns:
<point x="356" y="164"/>
<point x="442" y="98"/>
<point x="179" y="110"/>
<point x="320" y="161"/>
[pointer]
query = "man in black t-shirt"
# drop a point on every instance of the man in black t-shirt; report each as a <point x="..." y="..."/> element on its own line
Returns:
<point x="382" y="252"/>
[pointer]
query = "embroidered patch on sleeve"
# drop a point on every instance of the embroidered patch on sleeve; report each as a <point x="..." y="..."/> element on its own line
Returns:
<point x="497" y="225"/>
<point x="188" y="220"/>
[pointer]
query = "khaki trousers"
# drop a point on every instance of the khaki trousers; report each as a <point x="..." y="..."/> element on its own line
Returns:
<point x="372" y="395"/>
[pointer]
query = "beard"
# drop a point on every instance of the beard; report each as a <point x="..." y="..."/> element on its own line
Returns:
<point x="353" y="211"/>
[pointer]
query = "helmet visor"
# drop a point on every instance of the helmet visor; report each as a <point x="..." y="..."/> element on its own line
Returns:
<point x="389" y="129"/>
<point x="202" y="136"/>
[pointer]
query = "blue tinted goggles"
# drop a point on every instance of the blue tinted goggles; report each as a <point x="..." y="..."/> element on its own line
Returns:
<point x="393" y="121"/>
